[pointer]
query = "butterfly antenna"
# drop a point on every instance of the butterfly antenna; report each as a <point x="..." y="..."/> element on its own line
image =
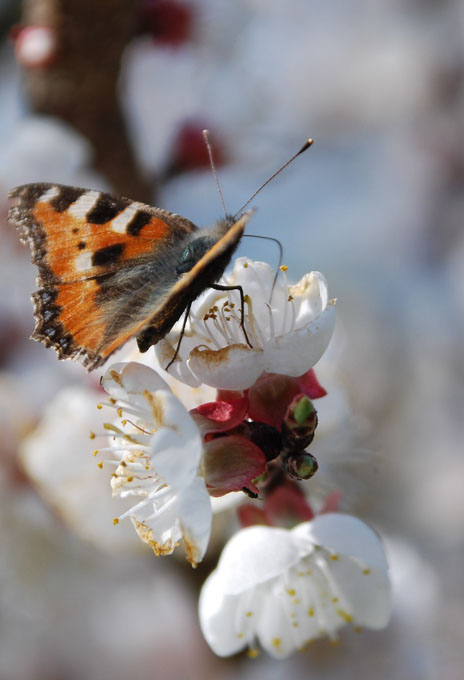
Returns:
<point x="305" y="146"/>
<point x="213" y="168"/>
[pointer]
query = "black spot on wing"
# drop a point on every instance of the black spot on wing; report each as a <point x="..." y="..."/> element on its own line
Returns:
<point x="103" y="279"/>
<point x="137" y="223"/>
<point x="66" y="197"/>
<point x="107" y="255"/>
<point x="30" y="193"/>
<point x="81" y="245"/>
<point x="106" y="208"/>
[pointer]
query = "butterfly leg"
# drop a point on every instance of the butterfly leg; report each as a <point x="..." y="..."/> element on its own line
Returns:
<point x="217" y="286"/>
<point x="184" y="323"/>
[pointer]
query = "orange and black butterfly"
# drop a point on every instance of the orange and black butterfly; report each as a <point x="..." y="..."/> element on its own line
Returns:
<point x="110" y="269"/>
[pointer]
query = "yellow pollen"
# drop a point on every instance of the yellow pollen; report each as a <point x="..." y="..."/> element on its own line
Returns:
<point x="124" y="422"/>
<point x="240" y="635"/>
<point x="334" y="557"/>
<point x="366" y="571"/>
<point x="112" y="400"/>
<point x="92" y="435"/>
<point x="335" y="599"/>
<point x="115" y="521"/>
<point x="344" y="615"/>
<point x="296" y="600"/>
<point x="283" y="268"/>
<point x="249" y="614"/>
<point x="99" y="406"/>
<point x="310" y="611"/>
<point x="95" y="453"/>
<point x="277" y="643"/>
<point x="245" y="265"/>
<point x="253" y="653"/>
<point x="290" y="298"/>
<point x="119" y="412"/>
<point x="130" y="479"/>
<point x="295" y="624"/>
<point x="100" y="465"/>
<point x="291" y="591"/>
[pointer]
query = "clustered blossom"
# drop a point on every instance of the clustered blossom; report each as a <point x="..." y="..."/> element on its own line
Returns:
<point x="289" y="576"/>
<point x="289" y="329"/>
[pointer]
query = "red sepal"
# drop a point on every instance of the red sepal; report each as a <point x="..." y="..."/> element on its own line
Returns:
<point x="310" y="385"/>
<point x="230" y="463"/>
<point x="220" y="416"/>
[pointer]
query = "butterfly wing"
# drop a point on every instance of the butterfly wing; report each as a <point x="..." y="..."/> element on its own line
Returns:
<point x="104" y="264"/>
<point x="207" y="270"/>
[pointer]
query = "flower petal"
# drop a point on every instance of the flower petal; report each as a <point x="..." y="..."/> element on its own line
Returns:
<point x="255" y="555"/>
<point x="294" y="353"/>
<point x="235" y="367"/>
<point x="217" y="613"/>
<point x="343" y="535"/>
<point x="195" y="516"/>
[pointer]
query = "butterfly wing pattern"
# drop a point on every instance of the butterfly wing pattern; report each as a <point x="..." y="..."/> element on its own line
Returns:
<point x="110" y="268"/>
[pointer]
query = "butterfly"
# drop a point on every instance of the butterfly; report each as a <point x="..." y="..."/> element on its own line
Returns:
<point x="110" y="268"/>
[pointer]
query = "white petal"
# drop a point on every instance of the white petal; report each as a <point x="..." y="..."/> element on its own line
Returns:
<point x="133" y="378"/>
<point x="217" y="614"/>
<point x="176" y="454"/>
<point x="158" y="526"/>
<point x="235" y="367"/>
<point x="343" y="535"/>
<point x="195" y="517"/>
<point x="255" y="555"/>
<point x="310" y="296"/>
<point x="296" y="352"/>
<point x="364" y="594"/>
<point x="274" y="629"/>
<point x="127" y="383"/>
<point x="164" y="351"/>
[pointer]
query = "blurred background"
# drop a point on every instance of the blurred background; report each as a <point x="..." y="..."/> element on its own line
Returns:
<point x="113" y="95"/>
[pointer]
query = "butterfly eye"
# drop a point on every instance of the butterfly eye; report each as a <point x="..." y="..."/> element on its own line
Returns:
<point x="193" y="253"/>
<point x="186" y="261"/>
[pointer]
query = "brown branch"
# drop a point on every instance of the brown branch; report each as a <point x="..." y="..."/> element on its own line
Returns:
<point x="81" y="85"/>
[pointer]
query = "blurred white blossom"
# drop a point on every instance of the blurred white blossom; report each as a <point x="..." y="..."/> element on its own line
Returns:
<point x="284" y="588"/>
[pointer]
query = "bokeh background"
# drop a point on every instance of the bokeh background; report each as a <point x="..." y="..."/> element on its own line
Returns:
<point x="113" y="95"/>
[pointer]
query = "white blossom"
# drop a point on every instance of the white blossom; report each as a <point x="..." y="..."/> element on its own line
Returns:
<point x="288" y="327"/>
<point x="285" y="588"/>
<point x="57" y="457"/>
<point x="159" y="449"/>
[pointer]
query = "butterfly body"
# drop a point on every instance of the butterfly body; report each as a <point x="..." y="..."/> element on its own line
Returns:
<point x="110" y="268"/>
